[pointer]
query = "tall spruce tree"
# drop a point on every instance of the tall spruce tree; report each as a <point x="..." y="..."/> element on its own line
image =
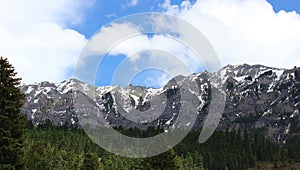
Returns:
<point x="12" y="123"/>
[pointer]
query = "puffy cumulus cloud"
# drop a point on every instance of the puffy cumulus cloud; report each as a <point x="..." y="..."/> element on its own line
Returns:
<point x="241" y="31"/>
<point x="110" y="36"/>
<point x="244" y="31"/>
<point x="160" y="52"/>
<point x="32" y="12"/>
<point x="168" y="49"/>
<point x="35" y="38"/>
<point x="160" y="49"/>
<point x="46" y="53"/>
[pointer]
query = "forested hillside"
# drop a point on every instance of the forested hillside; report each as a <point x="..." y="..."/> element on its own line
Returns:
<point x="67" y="147"/>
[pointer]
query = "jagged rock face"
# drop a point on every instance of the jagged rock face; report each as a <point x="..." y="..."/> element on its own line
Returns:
<point x="257" y="97"/>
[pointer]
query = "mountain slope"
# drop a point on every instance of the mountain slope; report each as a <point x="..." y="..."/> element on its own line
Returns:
<point x="256" y="97"/>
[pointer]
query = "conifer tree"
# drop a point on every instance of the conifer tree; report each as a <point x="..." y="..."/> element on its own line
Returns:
<point x="164" y="161"/>
<point x="90" y="162"/>
<point x="12" y="123"/>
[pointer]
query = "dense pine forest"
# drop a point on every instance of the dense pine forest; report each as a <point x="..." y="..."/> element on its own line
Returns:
<point x="67" y="147"/>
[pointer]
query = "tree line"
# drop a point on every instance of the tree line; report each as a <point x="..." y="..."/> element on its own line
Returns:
<point x="63" y="147"/>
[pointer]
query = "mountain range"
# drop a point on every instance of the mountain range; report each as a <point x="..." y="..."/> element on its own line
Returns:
<point x="257" y="96"/>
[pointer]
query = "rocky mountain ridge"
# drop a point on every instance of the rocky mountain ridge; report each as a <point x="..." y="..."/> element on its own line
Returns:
<point x="256" y="97"/>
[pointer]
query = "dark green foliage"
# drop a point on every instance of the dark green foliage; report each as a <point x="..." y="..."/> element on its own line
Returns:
<point x="293" y="149"/>
<point x="37" y="157"/>
<point x="90" y="162"/>
<point x="11" y="122"/>
<point x="57" y="148"/>
<point x="47" y="124"/>
<point x="136" y="132"/>
<point x="233" y="149"/>
<point x="29" y="124"/>
<point x="192" y="161"/>
<point x="61" y="148"/>
<point x="164" y="161"/>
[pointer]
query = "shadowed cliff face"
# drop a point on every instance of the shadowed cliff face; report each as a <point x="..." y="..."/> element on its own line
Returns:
<point x="256" y="97"/>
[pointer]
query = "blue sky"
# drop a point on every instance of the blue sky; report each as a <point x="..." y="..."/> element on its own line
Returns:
<point x="287" y="5"/>
<point x="103" y="12"/>
<point x="44" y="40"/>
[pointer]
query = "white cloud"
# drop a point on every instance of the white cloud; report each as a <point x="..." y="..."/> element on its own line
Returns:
<point x="35" y="38"/>
<point x="133" y="3"/>
<point x="162" y="51"/>
<point x="109" y="36"/>
<point x="157" y="81"/>
<point x="241" y="31"/>
<point x="112" y="15"/>
<point x="245" y="31"/>
<point x="158" y="52"/>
